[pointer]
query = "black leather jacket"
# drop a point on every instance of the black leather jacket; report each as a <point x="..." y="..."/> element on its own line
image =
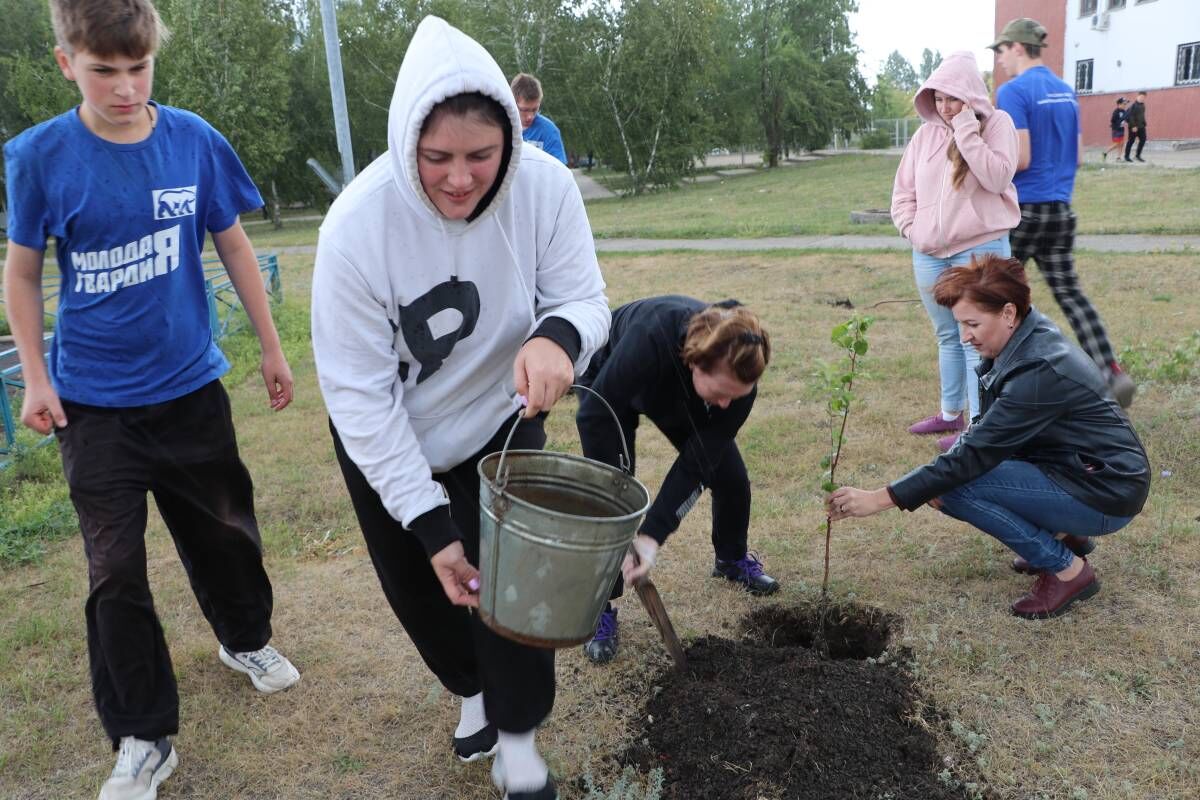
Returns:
<point x="1042" y="400"/>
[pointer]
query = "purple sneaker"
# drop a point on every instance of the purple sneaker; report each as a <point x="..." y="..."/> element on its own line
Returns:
<point x="936" y="424"/>
<point x="602" y="647"/>
<point x="946" y="442"/>
<point x="747" y="571"/>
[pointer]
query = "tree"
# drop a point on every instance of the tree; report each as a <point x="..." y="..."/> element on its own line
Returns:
<point x="648" y="62"/>
<point x="228" y="61"/>
<point x="806" y="71"/>
<point x="900" y="73"/>
<point x="930" y="60"/>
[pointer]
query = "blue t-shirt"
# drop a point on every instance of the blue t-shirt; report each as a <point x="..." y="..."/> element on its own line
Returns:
<point x="129" y="221"/>
<point x="1039" y="102"/>
<point x="544" y="134"/>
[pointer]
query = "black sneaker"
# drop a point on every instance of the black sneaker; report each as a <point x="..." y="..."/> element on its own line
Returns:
<point x="747" y="571"/>
<point x="481" y="744"/>
<point x="1130" y="160"/>
<point x="603" y="645"/>
<point x="548" y="791"/>
<point x="1139" y="158"/>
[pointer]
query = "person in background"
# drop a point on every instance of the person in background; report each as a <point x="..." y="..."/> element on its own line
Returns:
<point x="954" y="198"/>
<point x="129" y="189"/>
<point x="536" y="128"/>
<point x="455" y="273"/>
<point x="1116" y="124"/>
<point x="1136" y="119"/>
<point x="1052" y="461"/>
<point x="1046" y="115"/>
<point x="692" y="369"/>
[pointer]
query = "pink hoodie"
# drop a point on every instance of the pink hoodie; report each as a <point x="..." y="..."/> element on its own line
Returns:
<point x="938" y="219"/>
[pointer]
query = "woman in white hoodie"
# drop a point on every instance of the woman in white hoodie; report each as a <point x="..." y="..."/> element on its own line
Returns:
<point x="453" y="275"/>
<point x="953" y="199"/>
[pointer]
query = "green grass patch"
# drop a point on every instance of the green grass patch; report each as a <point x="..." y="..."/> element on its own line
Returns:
<point x="35" y="506"/>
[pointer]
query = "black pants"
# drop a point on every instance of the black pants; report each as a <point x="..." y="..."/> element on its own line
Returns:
<point x="730" y="486"/>
<point x="1140" y="135"/>
<point x="517" y="681"/>
<point x="184" y="452"/>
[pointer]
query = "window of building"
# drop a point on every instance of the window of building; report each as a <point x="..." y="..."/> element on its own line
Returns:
<point x="1187" y="64"/>
<point x="1115" y="4"/>
<point x="1087" y="7"/>
<point x="1083" y="76"/>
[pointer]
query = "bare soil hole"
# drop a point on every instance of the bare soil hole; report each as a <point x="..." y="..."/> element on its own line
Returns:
<point x="766" y="717"/>
<point x="853" y="632"/>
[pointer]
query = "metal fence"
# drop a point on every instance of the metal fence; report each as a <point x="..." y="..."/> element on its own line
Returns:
<point x="899" y="132"/>
<point x="223" y="318"/>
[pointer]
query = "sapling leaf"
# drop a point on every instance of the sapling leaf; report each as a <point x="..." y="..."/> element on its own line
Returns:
<point x="860" y="347"/>
<point x="829" y="486"/>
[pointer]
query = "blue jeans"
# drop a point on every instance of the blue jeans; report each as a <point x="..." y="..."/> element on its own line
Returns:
<point x="1016" y="503"/>
<point x="956" y="361"/>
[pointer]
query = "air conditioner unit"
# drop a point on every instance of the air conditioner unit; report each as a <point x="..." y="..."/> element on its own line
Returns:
<point x="1100" y="21"/>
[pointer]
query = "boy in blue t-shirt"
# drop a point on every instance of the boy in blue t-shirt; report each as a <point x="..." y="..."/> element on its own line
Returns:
<point x="536" y="128"/>
<point x="128" y="189"/>
<point x="1046" y="114"/>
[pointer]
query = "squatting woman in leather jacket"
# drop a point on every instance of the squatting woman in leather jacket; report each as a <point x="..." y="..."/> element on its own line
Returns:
<point x="1050" y="463"/>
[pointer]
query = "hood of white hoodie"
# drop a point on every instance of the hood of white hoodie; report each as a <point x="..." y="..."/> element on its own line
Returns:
<point x="442" y="62"/>
<point x="958" y="76"/>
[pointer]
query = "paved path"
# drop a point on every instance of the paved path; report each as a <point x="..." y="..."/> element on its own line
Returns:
<point x="589" y="187"/>
<point x="1116" y="243"/>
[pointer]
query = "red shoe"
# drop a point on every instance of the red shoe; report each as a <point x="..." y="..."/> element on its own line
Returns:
<point x="937" y="424"/>
<point x="1079" y="545"/>
<point x="946" y="442"/>
<point x="1051" y="597"/>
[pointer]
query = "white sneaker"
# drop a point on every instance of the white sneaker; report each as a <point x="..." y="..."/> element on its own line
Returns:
<point x="268" y="670"/>
<point x="141" y="767"/>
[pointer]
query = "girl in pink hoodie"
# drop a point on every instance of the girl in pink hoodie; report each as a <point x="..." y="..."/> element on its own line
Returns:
<point x="953" y="198"/>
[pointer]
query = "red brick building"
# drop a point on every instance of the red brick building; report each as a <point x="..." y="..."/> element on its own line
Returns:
<point x="1115" y="48"/>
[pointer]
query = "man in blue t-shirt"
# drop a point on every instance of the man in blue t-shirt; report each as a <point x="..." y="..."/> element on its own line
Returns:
<point x="129" y="189"/>
<point x="1046" y="116"/>
<point x="537" y="129"/>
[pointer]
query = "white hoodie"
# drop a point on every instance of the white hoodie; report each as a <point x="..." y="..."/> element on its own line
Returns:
<point x="416" y="318"/>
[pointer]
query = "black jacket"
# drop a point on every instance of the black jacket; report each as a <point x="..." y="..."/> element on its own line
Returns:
<point x="1137" y="115"/>
<point x="1042" y="400"/>
<point x="641" y="371"/>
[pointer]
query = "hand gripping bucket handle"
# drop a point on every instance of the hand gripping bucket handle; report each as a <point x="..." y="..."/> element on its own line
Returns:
<point x="502" y="474"/>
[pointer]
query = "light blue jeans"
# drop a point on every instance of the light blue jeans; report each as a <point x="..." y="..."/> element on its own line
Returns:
<point x="956" y="361"/>
<point x="1016" y="503"/>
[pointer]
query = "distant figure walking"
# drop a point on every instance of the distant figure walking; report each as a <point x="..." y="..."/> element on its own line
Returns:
<point x="1116" y="124"/>
<point x="1137" y="127"/>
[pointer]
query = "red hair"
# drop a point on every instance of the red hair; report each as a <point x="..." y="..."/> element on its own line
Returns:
<point x="989" y="281"/>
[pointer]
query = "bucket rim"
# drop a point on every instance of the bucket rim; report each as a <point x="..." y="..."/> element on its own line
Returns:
<point x="486" y="481"/>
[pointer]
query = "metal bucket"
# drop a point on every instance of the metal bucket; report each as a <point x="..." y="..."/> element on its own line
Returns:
<point x="553" y="531"/>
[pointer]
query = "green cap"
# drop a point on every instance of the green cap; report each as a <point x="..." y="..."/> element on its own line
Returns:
<point x="1023" y="30"/>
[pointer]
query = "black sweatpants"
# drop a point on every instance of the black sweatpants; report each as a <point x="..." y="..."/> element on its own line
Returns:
<point x="517" y="681"/>
<point x="184" y="452"/>
<point x="1140" y="136"/>
<point x="730" y="494"/>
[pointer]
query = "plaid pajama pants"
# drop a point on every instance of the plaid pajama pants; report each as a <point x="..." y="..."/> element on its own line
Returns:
<point x="1047" y="235"/>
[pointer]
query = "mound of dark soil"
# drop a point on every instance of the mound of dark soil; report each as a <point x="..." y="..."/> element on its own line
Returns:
<point x="767" y="718"/>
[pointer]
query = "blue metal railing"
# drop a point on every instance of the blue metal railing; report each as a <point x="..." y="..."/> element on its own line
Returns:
<point x="223" y="318"/>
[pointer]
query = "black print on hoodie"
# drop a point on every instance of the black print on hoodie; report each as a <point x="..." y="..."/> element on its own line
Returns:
<point x="428" y="349"/>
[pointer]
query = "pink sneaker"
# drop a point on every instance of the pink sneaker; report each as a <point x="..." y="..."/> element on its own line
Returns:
<point x="936" y="424"/>
<point x="946" y="442"/>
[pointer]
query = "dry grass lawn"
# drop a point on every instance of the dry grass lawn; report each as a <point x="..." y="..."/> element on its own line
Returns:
<point x="1102" y="704"/>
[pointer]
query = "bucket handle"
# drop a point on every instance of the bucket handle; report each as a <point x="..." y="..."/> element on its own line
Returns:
<point x="502" y="475"/>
